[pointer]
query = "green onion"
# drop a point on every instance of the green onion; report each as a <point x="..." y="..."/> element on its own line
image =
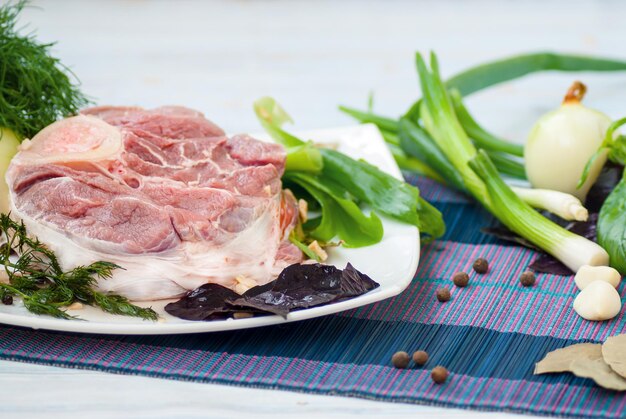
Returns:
<point x="566" y="206"/>
<point x="413" y="165"/>
<point x="481" y="137"/>
<point x="417" y="143"/>
<point x="508" y="166"/>
<point x="483" y="181"/>
<point x="572" y="250"/>
<point x="478" y="78"/>
<point x="384" y="123"/>
<point x="495" y="72"/>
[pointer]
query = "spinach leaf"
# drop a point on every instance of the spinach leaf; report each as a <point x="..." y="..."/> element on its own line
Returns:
<point x="341" y="179"/>
<point x="301" y="155"/>
<point x="341" y="216"/>
<point x="272" y="116"/>
<point x="383" y="192"/>
<point x="612" y="226"/>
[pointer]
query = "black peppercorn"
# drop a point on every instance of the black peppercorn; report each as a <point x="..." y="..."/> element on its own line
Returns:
<point x="400" y="360"/>
<point x="527" y="279"/>
<point x="420" y="357"/>
<point x="481" y="266"/>
<point x="7" y="299"/>
<point x="439" y="374"/>
<point x="443" y="294"/>
<point x="460" y="279"/>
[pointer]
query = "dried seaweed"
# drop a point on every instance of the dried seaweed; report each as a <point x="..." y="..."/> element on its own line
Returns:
<point x="544" y="263"/>
<point x="298" y="286"/>
<point x="206" y="302"/>
<point x="609" y="177"/>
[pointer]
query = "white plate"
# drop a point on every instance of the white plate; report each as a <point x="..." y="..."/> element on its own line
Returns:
<point x="392" y="263"/>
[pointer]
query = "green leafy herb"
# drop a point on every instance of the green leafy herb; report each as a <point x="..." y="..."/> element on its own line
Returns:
<point x="343" y="184"/>
<point x="303" y="247"/>
<point x="35" y="88"/>
<point x="612" y="226"/>
<point x="340" y="216"/>
<point x="35" y="275"/>
<point x="272" y="117"/>
<point x="301" y="156"/>
<point x="613" y="145"/>
<point x="384" y="193"/>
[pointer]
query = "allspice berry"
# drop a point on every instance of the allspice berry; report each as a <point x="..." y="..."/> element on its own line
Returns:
<point x="420" y="357"/>
<point x="443" y="294"/>
<point x="527" y="279"/>
<point x="400" y="360"/>
<point x="439" y="374"/>
<point x="460" y="279"/>
<point x="481" y="266"/>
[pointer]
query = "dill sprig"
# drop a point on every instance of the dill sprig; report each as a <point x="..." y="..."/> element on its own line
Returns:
<point x="35" y="276"/>
<point x="35" y="88"/>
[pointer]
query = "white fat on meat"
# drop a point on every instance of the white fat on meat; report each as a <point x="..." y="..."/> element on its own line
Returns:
<point x="162" y="193"/>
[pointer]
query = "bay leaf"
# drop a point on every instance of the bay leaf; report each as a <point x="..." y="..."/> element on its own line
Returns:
<point x="559" y="360"/>
<point x="583" y="360"/>
<point x="614" y="353"/>
<point x="599" y="371"/>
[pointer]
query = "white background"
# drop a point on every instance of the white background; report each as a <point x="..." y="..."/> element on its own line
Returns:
<point x="219" y="56"/>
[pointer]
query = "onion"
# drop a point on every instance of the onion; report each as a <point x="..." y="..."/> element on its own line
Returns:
<point x="8" y="147"/>
<point x="561" y="143"/>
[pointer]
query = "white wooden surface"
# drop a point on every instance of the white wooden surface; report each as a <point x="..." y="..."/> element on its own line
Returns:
<point x="220" y="56"/>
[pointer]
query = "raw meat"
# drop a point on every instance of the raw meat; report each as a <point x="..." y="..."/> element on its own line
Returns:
<point x="163" y="193"/>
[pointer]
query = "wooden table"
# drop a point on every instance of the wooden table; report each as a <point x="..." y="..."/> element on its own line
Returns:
<point x="220" y="56"/>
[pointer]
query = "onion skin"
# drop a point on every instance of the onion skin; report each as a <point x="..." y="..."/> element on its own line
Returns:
<point x="562" y="142"/>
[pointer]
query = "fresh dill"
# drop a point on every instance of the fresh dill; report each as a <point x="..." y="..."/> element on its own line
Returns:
<point x="35" y="88"/>
<point x="35" y="275"/>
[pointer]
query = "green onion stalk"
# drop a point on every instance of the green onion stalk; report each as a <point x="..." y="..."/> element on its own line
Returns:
<point x="483" y="181"/>
<point x="419" y="145"/>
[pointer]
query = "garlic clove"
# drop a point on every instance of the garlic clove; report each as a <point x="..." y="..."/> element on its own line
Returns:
<point x="587" y="274"/>
<point x="598" y="301"/>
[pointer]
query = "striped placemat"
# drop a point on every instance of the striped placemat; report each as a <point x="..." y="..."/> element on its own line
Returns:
<point x="489" y="335"/>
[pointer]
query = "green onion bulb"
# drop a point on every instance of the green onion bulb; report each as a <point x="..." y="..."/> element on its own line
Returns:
<point x="561" y="143"/>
